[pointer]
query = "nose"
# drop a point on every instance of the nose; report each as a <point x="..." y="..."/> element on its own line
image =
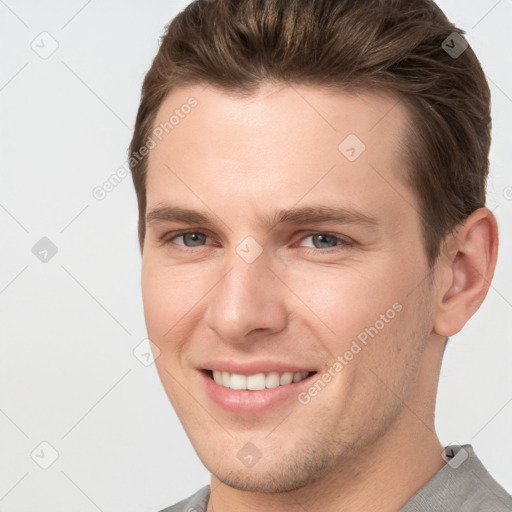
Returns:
<point x="248" y="299"/>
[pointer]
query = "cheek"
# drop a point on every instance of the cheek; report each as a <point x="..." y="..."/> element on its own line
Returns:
<point x="162" y="305"/>
<point x="165" y="310"/>
<point x="173" y="300"/>
<point x="156" y="301"/>
<point x="344" y="301"/>
<point x="370" y="319"/>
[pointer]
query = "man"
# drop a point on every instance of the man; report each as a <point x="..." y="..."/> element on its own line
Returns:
<point x="310" y="177"/>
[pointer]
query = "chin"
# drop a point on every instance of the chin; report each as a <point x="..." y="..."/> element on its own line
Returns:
<point x="264" y="481"/>
<point x="276" y="476"/>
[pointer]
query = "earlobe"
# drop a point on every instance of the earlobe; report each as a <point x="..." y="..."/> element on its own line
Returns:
<point x="467" y="271"/>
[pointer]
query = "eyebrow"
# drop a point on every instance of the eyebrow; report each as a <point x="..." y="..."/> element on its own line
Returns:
<point x="292" y="216"/>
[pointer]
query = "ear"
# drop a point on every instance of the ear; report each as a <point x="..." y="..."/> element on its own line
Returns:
<point x="466" y="267"/>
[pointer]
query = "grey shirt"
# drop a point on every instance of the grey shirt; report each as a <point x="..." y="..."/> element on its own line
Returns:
<point x="462" y="485"/>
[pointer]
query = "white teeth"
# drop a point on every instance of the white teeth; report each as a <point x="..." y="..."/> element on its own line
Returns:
<point x="258" y="381"/>
<point x="299" y="376"/>
<point x="272" y="380"/>
<point x="238" y="381"/>
<point x="286" y="378"/>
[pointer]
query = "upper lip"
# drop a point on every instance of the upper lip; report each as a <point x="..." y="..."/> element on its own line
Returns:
<point x="254" y="367"/>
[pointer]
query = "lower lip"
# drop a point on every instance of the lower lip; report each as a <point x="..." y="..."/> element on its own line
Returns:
<point x="251" y="402"/>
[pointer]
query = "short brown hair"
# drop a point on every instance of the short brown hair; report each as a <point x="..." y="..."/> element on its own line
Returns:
<point x="351" y="45"/>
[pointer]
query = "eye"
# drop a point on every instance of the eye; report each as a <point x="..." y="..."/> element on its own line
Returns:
<point x="326" y="240"/>
<point x="190" y="238"/>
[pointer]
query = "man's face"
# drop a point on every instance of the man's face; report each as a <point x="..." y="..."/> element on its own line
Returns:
<point x="260" y="302"/>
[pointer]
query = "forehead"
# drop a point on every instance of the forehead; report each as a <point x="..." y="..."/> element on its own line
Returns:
<point x="279" y="145"/>
<point x="294" y="109"/>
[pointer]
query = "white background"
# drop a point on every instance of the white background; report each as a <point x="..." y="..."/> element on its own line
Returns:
<point x="68" y="327"/>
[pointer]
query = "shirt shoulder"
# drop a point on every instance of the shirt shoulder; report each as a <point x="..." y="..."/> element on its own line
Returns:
<point x="462" y="485"/>
<point x="195" y="503"/>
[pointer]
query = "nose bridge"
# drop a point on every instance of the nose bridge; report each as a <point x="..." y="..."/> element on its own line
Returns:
<point x="246" y="298"/>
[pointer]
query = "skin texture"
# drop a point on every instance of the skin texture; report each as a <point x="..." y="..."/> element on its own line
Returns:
<point x="368" y="436"/>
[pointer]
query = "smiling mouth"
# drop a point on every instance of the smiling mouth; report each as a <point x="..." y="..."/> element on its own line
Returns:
<point x="257" y="381"/>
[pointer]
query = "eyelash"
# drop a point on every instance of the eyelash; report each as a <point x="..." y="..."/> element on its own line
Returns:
<point x="169" y="237"/>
